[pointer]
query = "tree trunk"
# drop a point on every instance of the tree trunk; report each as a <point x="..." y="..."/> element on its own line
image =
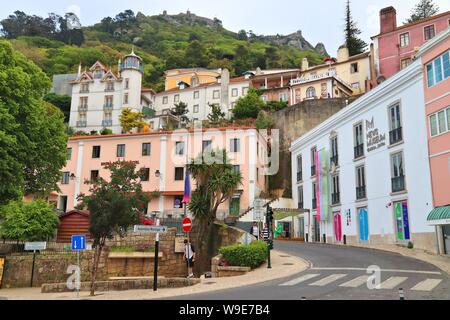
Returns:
<point x="97" y="256"/>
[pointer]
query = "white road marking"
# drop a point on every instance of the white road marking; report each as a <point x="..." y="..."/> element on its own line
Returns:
<point x="355" y="282"/>
<point x="382" y="270"/>
<point x="427" y="285"/>
<point x="303" y="278"/>
<point x="328" y="280"/>
<point x="392" y="282"/>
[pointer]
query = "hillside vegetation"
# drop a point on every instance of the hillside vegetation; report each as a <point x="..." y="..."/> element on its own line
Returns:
<point x="163" y="41"/>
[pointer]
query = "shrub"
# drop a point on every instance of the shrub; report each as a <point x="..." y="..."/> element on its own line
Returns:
<point x="410" y="245"/>
<point x="252" y="255"/>
<point x="106" y="131"/>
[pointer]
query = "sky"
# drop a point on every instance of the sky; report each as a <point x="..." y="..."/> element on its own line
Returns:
<point x="319" y="20"/>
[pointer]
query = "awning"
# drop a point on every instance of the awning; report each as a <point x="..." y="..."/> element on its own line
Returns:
<point x="439" y="216"/>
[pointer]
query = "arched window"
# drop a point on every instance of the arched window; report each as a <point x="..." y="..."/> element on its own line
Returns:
<point x="310" y="93"/>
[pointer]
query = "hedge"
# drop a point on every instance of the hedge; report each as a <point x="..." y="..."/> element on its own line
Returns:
<point x="252" y="255"/>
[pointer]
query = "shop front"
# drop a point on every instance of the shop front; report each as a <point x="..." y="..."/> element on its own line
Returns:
<point x="440" y="218"/>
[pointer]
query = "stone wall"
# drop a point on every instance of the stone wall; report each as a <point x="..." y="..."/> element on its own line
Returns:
<point x="295" y="121"/>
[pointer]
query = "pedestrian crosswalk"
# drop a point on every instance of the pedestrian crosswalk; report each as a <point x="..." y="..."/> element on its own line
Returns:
<point x="350" y="281"/>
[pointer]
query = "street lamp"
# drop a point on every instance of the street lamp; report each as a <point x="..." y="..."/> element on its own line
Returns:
<point x="157" y="174"/>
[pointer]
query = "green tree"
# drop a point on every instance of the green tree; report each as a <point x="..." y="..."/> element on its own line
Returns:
<point x="130" y="120"/>
<point x="195" y="55"/>
<point x="264" y="121"/>
<point x="274" y="106"/>
<point x="272" y="57"/>
<point x="249" y="106"/>
<point x="63" y="102"/>
<point x="28" y="221"/>
<point x="422" y="10"/>
<point x="216" y="115"/>
<point x="180" y="111"/>
<point x="32" y="133"/>
<point x="354" y="44"/>
<point x="113" y="206"/>
<point x="242" y="35"/>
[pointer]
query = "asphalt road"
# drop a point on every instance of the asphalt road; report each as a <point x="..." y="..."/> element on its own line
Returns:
<point x="340" y="273"/>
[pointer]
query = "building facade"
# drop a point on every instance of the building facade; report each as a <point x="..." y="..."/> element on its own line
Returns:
<point x="99" y="95"/>
<point x="435" y="58"/>
<point x="363" y="174"/>
<point x="163" y="156"/>
<point x="395" y="46"/>
<point x="190" y="76"/>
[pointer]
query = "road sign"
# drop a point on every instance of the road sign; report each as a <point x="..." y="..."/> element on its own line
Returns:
<point x="150" y="229"/>
<point x="258" y="210"/>
<point x="187" y="225"/>
<point x="34" y="246"/>
<point x="78" y="243"/>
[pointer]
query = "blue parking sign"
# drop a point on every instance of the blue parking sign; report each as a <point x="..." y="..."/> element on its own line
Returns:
<point x="78" y="243"/>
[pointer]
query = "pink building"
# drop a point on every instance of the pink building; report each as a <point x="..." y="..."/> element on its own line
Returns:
<point x="164" y="156"/>
<point x="395" y="46"/>
<point x="435" y="57"/>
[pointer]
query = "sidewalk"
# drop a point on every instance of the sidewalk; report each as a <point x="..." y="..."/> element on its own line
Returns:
<point x="283" y="265"/>
<point x="442" y="262"/>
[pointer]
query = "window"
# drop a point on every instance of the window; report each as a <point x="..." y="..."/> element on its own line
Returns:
<point x="98" y="74"/>
<point x="334" y="151"/>
<point x="125" y="98"/>
<point x="165" y="100"/>
<point x="310" y="93"/>
<point x="359" y="142"/>
<point x="110" y="86"/>
<point x="94" y="175"/>
<point x="235" y="145"/>
<point x="244" y="91"/>
<point x="96" y="152"/>
<point x="440" y="122"/>
<point x="146" y="149"/>
<point x="62" y="203"/>
<point x="429" y="32"/>
<point x="84" y="88"/>
<point x="65" y="178"/>
<point x="299" y="168"/>
<point x="398" y="176"/>
<point x="83" y="103"/>
<point x="196" y="94"/>
<point x="120" y="150"/>
<point x="237" y="168"/>
<point x="395" y="123"/>
<point x="179" y="174"/>
<point x="69" y="154"/>
<point x="313" y="161"/>
<point x="404" y="63"/>
<point x="360" y="183"/>
<point x="354" y="68"/>
<point x="145" y="174"/>
<point x="438" y="69"/>
<point x="196" y="108"/>
<point x="179" y="148"/>
<point x="216" y="94"/>
<point x="404" y="40"/>
<point x="300" y="197"/>
<point x="206" y="145"/>
<point x="127" y="84"/>
<point x="176" y="98"/>
<point x="355" y="85"/>
<point x="283" y="97"/>
<point x="335" y="191"/>
<point x="178" y="202"/>
<point x="234" y="92"/>
<point x="314" y="195"/>
<point x="108" y="101"/>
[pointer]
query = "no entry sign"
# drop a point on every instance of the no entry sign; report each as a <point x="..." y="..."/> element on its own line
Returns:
<point x="187" y="225"/>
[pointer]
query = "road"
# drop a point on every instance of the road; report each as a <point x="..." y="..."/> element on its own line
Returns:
<point x="340" y="273"/>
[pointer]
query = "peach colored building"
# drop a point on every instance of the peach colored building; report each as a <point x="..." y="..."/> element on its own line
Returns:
<point x="435" y="57"/>
<point x="395" y="46"/>
<point x="164" y="156"/>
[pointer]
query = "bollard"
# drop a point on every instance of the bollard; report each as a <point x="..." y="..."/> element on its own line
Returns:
<point x="307" y="238"/>
<point x="324" y="238"/>
<point x="345" y="239"/>
<point x="401" y="294"/>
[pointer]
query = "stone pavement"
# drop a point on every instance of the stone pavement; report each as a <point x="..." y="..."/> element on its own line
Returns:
<point x="283" y="265"/>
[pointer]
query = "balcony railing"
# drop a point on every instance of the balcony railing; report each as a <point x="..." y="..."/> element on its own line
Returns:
<point x="359" y="151"/>
<point x="314" y="203"/>
<point x="84" y="90"/>
<point x="107" y="123"/>
<point x="335" y="198"/>
<point x="81" y="124"/>
<point x="396" y="135"/>
<point x="108" y="106"/>
<point x="360" y="193"/>
<point x="109" y="89"/>
<point x="335" y="160"/>
<point x="398" y="184"/>
<point x="313" y="171"/>
<point x="300" y="205"/>
<point x="299" y="176"/>
<point x="83" y="107"/>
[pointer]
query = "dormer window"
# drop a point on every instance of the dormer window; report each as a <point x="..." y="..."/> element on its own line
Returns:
<point x="98" y="74"/>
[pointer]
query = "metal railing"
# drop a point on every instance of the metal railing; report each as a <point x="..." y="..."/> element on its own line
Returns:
<point x="313" y="171"/>
<point x="107" y="123"/>
<point x="83" y="107"/>
<point x="335" y="159"/>
<point x="108" y="106"/>
<point x="81" y="124"/>
<point x="396" y="135"/>
<point x="398" y="184"/>
<point x="299" y="176"/>
<point x="335" y="198"/>
<point x="360" y="193"/>
<point x="359" y="151"/>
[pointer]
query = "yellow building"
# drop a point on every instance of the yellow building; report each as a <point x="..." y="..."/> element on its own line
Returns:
<point x="342" y="77"/>
<point x="191" y="76"/>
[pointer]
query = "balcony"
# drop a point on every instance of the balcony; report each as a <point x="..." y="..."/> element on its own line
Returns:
<point x="83" y="107"/>
<point x="299" y="176"/>
<point x="335" y="159"/>
<point x="300" y="205"/>
<point x="107" y="123"/>
<point x="108" y="106"/>
<point x="359" y="151"/>
<point x="81" y="124"/>
<point x="360" y="193"/>
<point x="335" y="198"/>
<point x="109" y="89"/>
<point x="84" y="90"/>
<point x="313" y="171"/>
<point x="398" y="184"/>
<point x="396" y="135"/>
<point x="314" y="204"/>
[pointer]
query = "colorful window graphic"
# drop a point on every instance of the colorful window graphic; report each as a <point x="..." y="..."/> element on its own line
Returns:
<point x="2" y="265"/>
<point x="402" y="221"/>
<point x="363" y="224"/>
<point x="338" y="227"/>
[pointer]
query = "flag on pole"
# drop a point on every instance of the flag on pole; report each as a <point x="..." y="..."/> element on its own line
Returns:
<point x="187" y="188"/>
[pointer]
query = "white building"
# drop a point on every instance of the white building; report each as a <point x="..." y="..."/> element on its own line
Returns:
<point x="372" y="183"/>
<point x="99" y="95"/>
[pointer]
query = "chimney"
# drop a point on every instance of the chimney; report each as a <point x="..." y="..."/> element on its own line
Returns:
<point x="305" y="64"/>
<point x="388" y="20"/>
<point x="343" y="54"/>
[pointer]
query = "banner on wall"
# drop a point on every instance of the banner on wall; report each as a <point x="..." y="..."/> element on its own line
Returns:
<point x="2" y="265"/>
<point x="324" y="186"/>
<point x="318" y="186"/>
<point x="402" y="220"/>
